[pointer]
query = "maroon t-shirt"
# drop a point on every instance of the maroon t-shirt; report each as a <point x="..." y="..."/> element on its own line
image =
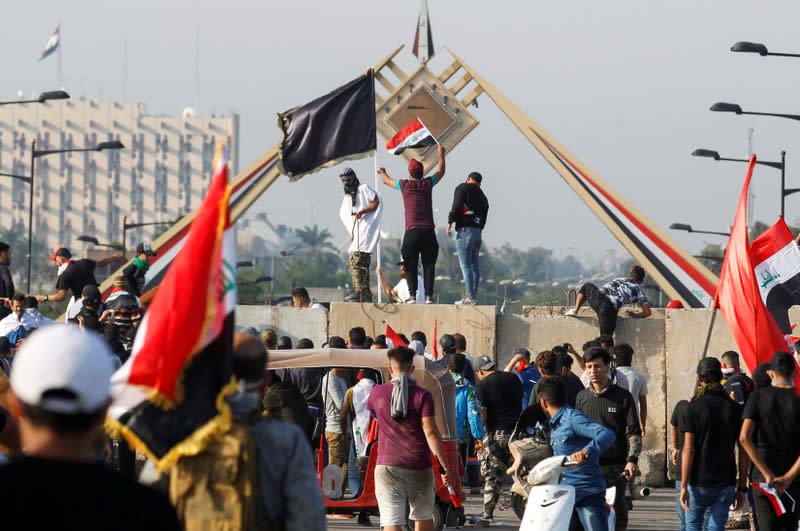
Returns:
<point x="402" y="443"/>
<point x="418" y="201"/>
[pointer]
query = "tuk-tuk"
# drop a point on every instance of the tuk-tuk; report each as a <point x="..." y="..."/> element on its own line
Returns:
<point x="429" y="375"/>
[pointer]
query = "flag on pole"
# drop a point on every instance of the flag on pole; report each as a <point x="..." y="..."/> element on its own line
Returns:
<point x="776" y="259"/>
<point x="423" y="38"/>
<point x="333" y="128"/>
<point x="414" y="135"/>
<point x="738" y="298"/>
<point x="52" y="43"/>
<point x="435" y="340"/>
<point x="168" y="398"/>
<point x="396" y="340"/>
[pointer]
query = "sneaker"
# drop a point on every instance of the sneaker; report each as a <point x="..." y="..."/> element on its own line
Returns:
<point x="363" y="519"/>
<point x="466" y="301"/>
<point x="572" y="312"/>
<point x="412" y="300"/>
<point x="484" y="520"/>
<point x="429" y="300"/>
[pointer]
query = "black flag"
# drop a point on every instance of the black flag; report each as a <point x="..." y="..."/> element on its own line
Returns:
<point x="333" y="128"/>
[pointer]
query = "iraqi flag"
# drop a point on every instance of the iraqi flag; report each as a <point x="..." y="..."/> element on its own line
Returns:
<point x="738" y="297"/>
<point x="394" y="337"/>
<point x="168" y="398"/>
<point x="774" y="498"/>
<point x="414" y="135"/>
<point x="776" y="260"/>
<point x="52" y="43"/>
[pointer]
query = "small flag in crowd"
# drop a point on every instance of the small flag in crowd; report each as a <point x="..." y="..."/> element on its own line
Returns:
<point x="333" y="128"/>
<point x="435" y="340"/>
<point x="738" y="298"/>
<point x="396" y="340"/>
<point x="776" y="260"/>
<point x="168" y="397"/>
<point x="771" y="494"/>
<point x="414" y="135"/>
<point x="423" y="38"/>
<point x="52" y="43"/>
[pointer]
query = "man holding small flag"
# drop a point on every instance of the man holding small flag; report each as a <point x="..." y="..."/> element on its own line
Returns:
<point x="420" y="236"/>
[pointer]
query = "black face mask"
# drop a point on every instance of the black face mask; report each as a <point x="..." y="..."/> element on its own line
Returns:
<point x="351" y="187"/>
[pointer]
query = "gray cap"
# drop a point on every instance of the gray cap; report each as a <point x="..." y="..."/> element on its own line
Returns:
<point x="417" y="347"/>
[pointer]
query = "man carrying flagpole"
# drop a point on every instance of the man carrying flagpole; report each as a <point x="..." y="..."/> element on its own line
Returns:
<point x="420" y="236"/>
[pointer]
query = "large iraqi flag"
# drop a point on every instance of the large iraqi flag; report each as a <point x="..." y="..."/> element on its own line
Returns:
<point x="168" y="398"/>
<point x="738" y="297"/>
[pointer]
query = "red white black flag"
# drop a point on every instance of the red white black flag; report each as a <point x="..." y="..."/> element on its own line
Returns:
<point x="414" y="135"/>
<point x="776" y="260"/>
<point x="168" y="398"/>
<point x="423" y="39"/>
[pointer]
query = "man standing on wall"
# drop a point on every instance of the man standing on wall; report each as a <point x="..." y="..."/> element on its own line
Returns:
<point x="420" y="237"/>
<point x="469" y="211"/>
<point x="361" y="214"/>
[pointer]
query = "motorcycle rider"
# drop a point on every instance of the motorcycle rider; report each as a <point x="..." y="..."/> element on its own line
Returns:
<point x="573" y="434"/>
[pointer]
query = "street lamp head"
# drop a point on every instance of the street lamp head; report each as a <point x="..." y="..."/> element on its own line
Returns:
<point x="681" y="226"/>
<point x="266" y="278"/>
<point x="706" y="153"/>
<point x="87" y="239"/>
<point x="726" y="107"/>
<point x="52" y="95"/>
<point x="111" y="144"/>
<point x="244" y="263"/>
<point x="750" y="47"/>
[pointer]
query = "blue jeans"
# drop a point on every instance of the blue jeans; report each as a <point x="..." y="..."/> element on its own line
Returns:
<point x="468" y="245"/>
<point x="592" y="512"/>
<point x="715" y="500"/>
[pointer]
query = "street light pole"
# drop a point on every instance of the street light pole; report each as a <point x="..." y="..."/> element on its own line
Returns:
<point x="777" y="165"/>
<point x="30" y="215"/>
<point x="126" y="226"/>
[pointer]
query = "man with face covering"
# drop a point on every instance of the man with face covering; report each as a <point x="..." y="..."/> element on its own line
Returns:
<point x="361" y="214"/>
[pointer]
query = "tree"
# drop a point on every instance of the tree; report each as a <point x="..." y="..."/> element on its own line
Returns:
<point x="316" y="244"/>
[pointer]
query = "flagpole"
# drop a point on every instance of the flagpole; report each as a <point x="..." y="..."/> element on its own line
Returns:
<point x="710" y="329"/>
<point x="60" y="79"/>
<point x="375" y="174"/>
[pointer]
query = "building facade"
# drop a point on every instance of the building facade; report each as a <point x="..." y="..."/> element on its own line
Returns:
<point x="162" y="174"/>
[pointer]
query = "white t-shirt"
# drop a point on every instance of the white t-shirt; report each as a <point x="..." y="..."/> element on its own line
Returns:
<point x="364" y="232"/>
<point x="404" y="294"/>
<point x="637" y="384"/>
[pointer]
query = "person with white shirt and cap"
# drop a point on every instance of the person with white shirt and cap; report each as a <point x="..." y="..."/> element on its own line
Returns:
<point x="401" y="292"/>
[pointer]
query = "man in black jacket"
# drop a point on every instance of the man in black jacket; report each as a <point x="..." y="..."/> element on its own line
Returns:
<point x="469" y="211"/>
<point x="135" y="272"/>
<point x="612" y="406"/>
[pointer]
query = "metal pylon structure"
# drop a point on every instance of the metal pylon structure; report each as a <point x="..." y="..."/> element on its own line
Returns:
<point x="442" y="102"/>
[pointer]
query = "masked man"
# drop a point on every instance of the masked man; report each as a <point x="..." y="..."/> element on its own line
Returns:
<point x="361" y="214"/>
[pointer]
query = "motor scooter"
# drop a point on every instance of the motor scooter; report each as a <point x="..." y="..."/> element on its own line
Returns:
<point x="550" y="504"/>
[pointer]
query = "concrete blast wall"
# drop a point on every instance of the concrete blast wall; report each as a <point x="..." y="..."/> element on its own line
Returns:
<point x="666" y="346"/>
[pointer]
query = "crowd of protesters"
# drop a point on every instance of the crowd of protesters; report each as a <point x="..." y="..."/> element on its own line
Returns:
<point x="736" y="436"/>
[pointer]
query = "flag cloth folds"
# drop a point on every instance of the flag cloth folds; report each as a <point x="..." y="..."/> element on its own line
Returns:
<point x="333" y="128"/>
<point x="52" y="43"/>
<point x="396" y="340"/>
<point x="771" y="494"/>
<point x="414" y="135"/>
<point x="776" y="259"/>
<point x="168" y="397"/>
<point x="738" y="297"/>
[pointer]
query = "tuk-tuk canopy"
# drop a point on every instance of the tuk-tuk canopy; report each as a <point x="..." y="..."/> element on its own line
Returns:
<point x="428" y="374"/>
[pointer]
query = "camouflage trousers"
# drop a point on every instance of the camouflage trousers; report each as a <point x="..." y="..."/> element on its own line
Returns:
<point x="359" y="264"/>
<point x="494" y="459"/>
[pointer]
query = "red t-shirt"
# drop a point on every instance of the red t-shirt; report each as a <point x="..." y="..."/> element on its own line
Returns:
<point x="402" y="443"/>
<point x="417" y="201"/>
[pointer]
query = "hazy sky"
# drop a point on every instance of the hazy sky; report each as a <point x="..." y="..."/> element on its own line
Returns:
<point x="624" y="85"/>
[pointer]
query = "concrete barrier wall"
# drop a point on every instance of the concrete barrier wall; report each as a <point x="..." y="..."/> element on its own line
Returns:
<point x="667" y="345"/>
<point x="296" y="323"/>
<point x="477" y="323"/>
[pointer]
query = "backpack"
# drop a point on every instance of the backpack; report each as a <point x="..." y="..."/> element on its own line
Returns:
<point x="217" y="490"/>
<point x="740" y="385"/>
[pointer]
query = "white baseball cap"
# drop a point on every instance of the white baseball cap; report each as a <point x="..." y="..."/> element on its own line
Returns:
<point x="63" y="358"/>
